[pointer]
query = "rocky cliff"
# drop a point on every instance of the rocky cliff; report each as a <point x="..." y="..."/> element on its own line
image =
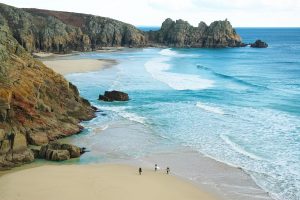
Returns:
<point x="37" y="105"/>
<point x="62" y="32"/>
<point x="180" y="33"/>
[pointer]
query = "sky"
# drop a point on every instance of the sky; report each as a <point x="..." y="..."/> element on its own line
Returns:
<point x="241" y="13"/>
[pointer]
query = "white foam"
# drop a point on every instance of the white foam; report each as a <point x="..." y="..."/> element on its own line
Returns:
<point x="121" y="111"/>
<point x="167" y="52"/>
<point x="158" y="67"/>
<point x="238" y="148"/>
<point x="97" y="129"/>
<point x="104" y="127"/>
<point x="209" y="108"/>
<point x="133" y="117"/>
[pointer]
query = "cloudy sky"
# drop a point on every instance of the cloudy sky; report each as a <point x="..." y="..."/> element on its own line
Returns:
<point x="241" y="13"/>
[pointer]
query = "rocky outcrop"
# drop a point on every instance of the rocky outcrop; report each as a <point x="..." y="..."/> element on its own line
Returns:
<point x="62" y="32"/>
<point x="180" y="33"/>
<point x="114" y="96"/>
<point x="13" y="150"/>
<point x="259" y="44"/>
<point x="58" y="152"/>
<point x="37" y="105"/>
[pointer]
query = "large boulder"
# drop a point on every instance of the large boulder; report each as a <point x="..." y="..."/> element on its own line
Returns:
<point x="12" y="159"/>
<point x="57" y="155"/>
<point x="74" y="151"/>
<point x="58" y="152"/>
<point x="259" y="44"/>
<point x="114" y="96"/>
<point x="13" y="150"/>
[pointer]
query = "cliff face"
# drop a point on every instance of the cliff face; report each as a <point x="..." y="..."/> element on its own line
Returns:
<point x="36" y="104"/>
<point x="181" y="34"/>
<point x="62" y="32"/>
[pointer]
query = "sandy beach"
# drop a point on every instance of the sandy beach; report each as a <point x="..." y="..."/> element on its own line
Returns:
<point x="78" y="66"/>
<point x="94" y="182"/>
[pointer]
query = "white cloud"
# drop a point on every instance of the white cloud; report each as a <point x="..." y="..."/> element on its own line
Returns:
<point x="244" y="13"/>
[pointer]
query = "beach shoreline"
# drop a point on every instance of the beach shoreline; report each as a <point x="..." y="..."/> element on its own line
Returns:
<point x="69" y="66"/>
<point x="222" y="179"/>
<point x="104" y="181"/>
<point x="209" y="182"/>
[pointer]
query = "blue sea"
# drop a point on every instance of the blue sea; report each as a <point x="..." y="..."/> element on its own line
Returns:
<point x="239" y="106"/>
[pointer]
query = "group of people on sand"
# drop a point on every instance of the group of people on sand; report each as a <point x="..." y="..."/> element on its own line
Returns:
<point x="155" y="169"/>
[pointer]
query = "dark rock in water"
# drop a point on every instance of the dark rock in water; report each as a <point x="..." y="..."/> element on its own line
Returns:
<point x="114" y="96"/>
<point x="95" y="109"/>
<point x="58" y="152"/>
<point x="83" y="150"/>
<point x="104" y="98"/>
<point x="259" y="44"/>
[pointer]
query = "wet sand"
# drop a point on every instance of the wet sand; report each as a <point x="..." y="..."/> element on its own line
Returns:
<point x="108" y="145"/>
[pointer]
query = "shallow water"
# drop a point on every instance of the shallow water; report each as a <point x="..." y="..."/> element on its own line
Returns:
<point x="237" y="105"/>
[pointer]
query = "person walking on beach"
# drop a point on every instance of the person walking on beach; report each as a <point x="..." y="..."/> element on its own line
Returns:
<point x="168" y="170"/>
<point x="140" y="171"/>
<point x="155" y="167"/>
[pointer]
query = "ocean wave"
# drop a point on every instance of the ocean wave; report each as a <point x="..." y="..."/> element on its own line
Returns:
<point x="95" y="129"/>
<point x="238" y="148"/>
<point x="121" y="111"/>
<point x="209" y="108"/>
<point x="101" y="128"/>
<point x="171" y="53"/>
<point x="168" y="52"/>
<point x="228" y="77"/>
<point x="158" y="67"/>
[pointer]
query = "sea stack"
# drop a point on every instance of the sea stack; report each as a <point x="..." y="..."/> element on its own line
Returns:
<point x="259" y="44"/>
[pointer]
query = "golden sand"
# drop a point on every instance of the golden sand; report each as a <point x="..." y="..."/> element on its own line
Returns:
<point x="94" y="182"/>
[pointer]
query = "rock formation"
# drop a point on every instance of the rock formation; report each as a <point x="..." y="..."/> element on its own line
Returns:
<point x="114" y="96"/>
<point x="180" y="33"/>
<point x="259" y="44"/>
<point x="58" y="152"/>
<point x="62" y="32"/>
<point x="37" y="105"/>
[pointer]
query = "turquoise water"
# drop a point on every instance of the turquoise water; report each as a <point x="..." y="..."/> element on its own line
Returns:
<point x="240" y="106"/>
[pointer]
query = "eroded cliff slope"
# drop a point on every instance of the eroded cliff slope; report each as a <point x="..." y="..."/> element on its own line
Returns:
<point x="62" y="32"/>
<point x="36" y="104"/>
